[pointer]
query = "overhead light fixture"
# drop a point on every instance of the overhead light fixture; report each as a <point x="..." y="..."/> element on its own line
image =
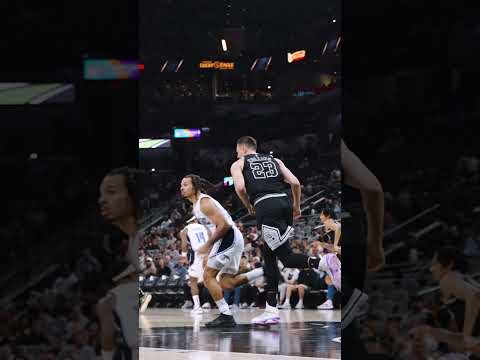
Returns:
<point x="334" y="21"/>
<point x="224" y="45"/>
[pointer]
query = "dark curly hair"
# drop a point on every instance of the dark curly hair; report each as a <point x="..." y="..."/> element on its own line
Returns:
<point x="200" y="184"/>
<point x="132" y="182"/>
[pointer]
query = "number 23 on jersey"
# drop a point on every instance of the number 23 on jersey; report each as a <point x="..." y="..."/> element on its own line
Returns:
<point x="264" y="169"/>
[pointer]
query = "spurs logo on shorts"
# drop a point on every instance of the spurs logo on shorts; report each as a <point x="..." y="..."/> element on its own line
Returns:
<point x="273" y="237"/>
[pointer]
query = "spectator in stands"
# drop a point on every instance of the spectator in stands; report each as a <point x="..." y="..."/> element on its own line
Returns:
<point x="150" y="268"/>
<point x="447" y="267"/>
<point x="169" y="262"/>
<point x="162" y="269"/>
<point x="290" y="276"/>
<point x="181" y="267"/>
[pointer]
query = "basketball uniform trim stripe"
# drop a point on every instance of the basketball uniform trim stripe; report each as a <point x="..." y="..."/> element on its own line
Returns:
<point x="268" y="196"/>
<point x="227" y="242"/>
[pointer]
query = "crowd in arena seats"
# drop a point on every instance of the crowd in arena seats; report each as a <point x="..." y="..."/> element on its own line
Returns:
<point x="180" y="91"/>
<point x="405" y="296"/>
<point x="198" y="90"/>
<point x="56" y="318"/>
<point x="56" y="196"/>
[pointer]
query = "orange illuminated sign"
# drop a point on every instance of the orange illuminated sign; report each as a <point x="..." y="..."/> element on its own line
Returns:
<point x="220" y="65"/>
<point x="296" y="56"/>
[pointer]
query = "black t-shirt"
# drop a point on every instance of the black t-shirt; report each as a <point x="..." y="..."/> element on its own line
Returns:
<point x="262" y="176"/>
<point x="310" y="278"/>
<point x="164" y="271"/>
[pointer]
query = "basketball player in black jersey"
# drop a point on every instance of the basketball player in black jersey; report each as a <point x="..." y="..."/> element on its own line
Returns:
<point x="119" y="206"/>
<point x="260" y="182"/>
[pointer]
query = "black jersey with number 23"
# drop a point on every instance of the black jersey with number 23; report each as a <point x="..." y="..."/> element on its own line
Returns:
<point x="262" y="176"/>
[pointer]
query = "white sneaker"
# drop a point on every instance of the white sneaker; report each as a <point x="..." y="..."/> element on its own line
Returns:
<point x="299" y="305"/>
<point x="207" y="306"/>
<point x="188" y="305"/>
<point x="244" y="306"/>
<point x="267" y="318"/>
<point x="197" y="311"/>
<point x="145" y="301"/>
<point x="327" y="305"/>
<point x="253" y="305"/>
<point x="286" y="305"/>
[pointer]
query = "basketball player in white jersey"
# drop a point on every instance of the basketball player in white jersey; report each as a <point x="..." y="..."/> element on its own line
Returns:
<point x="119" y="206"/>
<point x="196" y="235"/>
<point x="224" y="247"/>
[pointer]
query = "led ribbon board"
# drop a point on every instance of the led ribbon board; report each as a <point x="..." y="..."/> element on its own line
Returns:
<point x="186" y="133"/>
<point x="153" y="143"/>
<point x="111" y="69"/>
<point x="219" y="65"/>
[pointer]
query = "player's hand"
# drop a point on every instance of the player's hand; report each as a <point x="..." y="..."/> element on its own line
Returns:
<point x="251" y="210"/>
<point x="297" y="212"/>
<point x="375" y="257"/>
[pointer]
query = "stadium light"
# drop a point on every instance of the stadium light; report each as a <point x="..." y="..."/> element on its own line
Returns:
<point x="224" y="45"/>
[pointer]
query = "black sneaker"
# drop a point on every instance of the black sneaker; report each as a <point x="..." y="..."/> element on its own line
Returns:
<point x="222" y="321"/>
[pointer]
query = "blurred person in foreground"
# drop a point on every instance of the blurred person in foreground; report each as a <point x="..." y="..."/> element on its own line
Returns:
<point x="119" y="206"/>
<point x="362" y="198"/>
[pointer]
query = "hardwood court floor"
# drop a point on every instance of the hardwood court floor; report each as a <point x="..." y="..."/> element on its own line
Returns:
<point x="302" y="334"/>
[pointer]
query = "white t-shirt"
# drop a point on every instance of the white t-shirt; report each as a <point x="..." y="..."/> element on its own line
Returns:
<point x="197" y="235"/>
